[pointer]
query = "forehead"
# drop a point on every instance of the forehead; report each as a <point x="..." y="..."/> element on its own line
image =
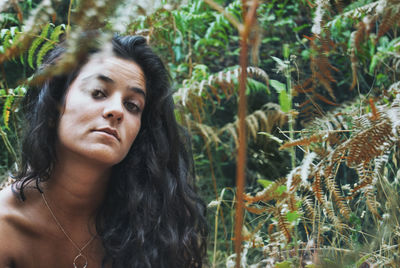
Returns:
<point x="118" y="69"/>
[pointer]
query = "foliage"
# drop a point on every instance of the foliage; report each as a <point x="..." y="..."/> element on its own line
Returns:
<point x="322" y="122"/>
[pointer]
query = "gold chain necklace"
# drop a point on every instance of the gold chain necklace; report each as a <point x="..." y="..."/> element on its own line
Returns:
<point x="80" y="255"/>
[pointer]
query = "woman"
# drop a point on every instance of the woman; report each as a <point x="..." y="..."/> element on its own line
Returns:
<point x="106" y="178"/>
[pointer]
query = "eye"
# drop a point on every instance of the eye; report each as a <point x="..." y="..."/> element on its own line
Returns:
<point x="132" y="107"/>
<point x="98" y="94"/>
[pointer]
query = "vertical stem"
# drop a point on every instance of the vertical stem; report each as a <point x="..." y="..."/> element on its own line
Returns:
<point x="3" y="72"/>
<point x="241" y="158"/>
<point x="286" y="54"/>
<point x="69" y="17"/>
<point x="248" y="18"/>
<point x="8" y="145"/>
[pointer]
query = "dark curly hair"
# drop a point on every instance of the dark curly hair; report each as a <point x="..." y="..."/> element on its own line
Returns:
<point x="151" y="215"/>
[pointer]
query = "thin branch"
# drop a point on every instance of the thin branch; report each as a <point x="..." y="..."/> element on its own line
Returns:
<point x="311" y="131"/>
<point x="69" y="17"/>
<point x="228" y="16"/>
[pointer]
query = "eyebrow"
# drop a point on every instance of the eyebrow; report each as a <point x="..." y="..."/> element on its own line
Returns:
<point x="108" y="80"/>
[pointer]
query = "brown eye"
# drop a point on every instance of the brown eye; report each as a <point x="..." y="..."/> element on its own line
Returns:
<point x="132" y="107"/>
<point x="98" y="94"/>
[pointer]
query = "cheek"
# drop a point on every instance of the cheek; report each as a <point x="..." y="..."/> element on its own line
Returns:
<point x="133" y="131"/>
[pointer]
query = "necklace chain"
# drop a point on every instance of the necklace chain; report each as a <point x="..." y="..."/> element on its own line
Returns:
<point x="66" y="234"/>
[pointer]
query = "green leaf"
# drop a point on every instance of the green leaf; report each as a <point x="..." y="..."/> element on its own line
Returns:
<point x="292" y="216"/>
<point x="3" y="32"/>
<point x="272" y="137"/>
<point x="55" y="35"/>
<point x="36" y="43"/>
<point x="284" y="98"/>
<point x="284" y="264"/>
<point x="255" y="86"/>
<point x="374" y="62"/>
<point x="281" y="189"/>
<point x="305" y="54"/>
<point x="278" y="86"/>
<point x="7" y="110"/>
<point x="280" y="62"/>
<point x="265" y="183"/>
<point x="363" y="260"/>
<point x="301" y="27"/>
<point x="286" y="51"/>
<point x="284" y="101"/>
<point x="42" y="52"/>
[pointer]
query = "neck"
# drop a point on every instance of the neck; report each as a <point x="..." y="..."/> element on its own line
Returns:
<point x="76" y="188"/>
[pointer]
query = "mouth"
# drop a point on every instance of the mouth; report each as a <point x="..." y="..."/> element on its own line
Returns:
<point x="109" y="131"/>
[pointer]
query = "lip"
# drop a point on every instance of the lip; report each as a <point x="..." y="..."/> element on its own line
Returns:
<point x="110" y="131"/>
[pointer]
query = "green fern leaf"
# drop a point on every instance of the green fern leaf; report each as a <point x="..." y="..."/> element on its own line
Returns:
<point x="36" y="43"/>
<point x="4" y="32"/>
<point x="7" y="110"/>
<point x="55" y="35"/>
<point x="42" y="52"/>
<point x="7" y="38"/>
<point x="14" y="30"/>
<point x="15" y="41"/>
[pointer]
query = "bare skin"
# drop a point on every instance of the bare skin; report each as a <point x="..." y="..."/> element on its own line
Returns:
<point x="29" y="235"/>
<point x="32" y="237"/>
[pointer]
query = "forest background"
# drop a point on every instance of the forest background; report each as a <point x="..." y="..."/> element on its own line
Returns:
<point x="293" y="107"/>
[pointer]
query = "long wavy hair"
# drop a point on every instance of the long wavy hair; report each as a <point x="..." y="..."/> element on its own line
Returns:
<point x="151" y="215"/>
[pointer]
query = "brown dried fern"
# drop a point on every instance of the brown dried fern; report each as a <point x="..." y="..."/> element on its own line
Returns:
<point x="283" y="224"/>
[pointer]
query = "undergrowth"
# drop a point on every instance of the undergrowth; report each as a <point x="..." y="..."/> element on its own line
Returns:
<point x="322" y="118"/>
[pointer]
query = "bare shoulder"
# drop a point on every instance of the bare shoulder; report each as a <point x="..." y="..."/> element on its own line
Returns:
<point x="9" y="237"/>
<point x="8" y="209"/>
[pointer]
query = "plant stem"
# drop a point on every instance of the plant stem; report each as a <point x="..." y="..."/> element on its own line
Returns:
<point x="69" y="17"/>
<point x="249" y="18"/>
<point x="290" y="96"/>
<point x="7" y="143"/>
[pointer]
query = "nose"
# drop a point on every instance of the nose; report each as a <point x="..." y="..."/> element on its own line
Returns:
<point x="113" y="110"/>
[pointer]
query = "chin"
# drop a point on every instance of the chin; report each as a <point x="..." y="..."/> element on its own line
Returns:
<point x="106" y="156"/>
<point x="106" y="159"/>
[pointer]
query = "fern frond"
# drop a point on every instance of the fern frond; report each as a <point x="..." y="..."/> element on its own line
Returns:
<point x="339" y="199"/>
<point x="317" y="187"/>
<point x="309" y="207"/>
<point x="255" y="210"/>
<point x="55" y="38"/>
<point x="328" y="209"/>
<point x="391" y="18"/>
<point x="303" y="141"/>
<point x="283" y="224"/>
<point x="258" y="121"/>
<point x="322" y="98"/>
<point x="7" y="110"/>
<point x="267" y="194"/>
<point x="371" y="202"/>
<point x="364" y="172"/>
<point x="225" y="80"/>
<point x="37" y="17"/>
<point x="206" y="131"/>
<point x="36" y="43"/>
<point x="375" y="137"/>
<point x="292" y="202"/>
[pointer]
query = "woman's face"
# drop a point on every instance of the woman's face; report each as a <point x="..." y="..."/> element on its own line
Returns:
<point x="102" y="111"/>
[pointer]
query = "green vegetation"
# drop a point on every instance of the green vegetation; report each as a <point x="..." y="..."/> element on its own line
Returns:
<point x="322" y="122"/>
